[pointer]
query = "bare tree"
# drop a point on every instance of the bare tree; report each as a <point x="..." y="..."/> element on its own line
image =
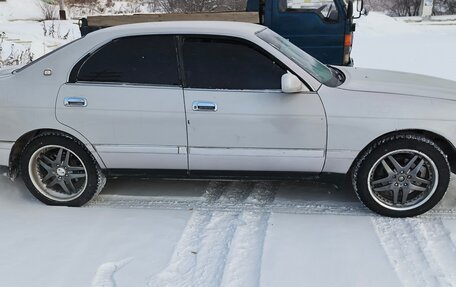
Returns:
<point x="444" y="7"/>
<point x="410" y="7"/>
<point x="406" y="7"/>
<point x="395" y="7"/>
<point x="49" y="10"/>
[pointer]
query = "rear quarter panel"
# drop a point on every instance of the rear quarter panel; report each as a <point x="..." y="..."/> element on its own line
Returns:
<point x="27" y="97"/>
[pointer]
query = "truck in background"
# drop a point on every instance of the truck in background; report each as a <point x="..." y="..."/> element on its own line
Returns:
<point x="322" y="28"/>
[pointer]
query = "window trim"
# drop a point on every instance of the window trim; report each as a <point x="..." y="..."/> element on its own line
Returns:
<point x="73" y="76"/>
<point x="243" y="41"/>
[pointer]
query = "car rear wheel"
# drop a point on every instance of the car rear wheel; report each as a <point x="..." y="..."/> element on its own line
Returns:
<point x="58" y="170"/>
<point x="401" y="176"/>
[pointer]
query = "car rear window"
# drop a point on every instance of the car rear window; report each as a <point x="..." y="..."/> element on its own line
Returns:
<point x="138" y="60"/>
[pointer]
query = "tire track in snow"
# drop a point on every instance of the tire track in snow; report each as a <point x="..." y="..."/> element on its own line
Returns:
<point x="180" y="270"/>
<point x="419" y="249"/>
<point x="287" y="207"/>
<point x="214" y="249"/>
<point x="104" y="277"/>
<point x="199" y="257"/>
<point x="263" y="193"/>
<point x="214" y="190"/>
<point x="403" y="252"/>
<point x="437" y="244"/>
<point x="204" y="255"/>
<point x="237" y="192"/>
<point x="243" y="266"/>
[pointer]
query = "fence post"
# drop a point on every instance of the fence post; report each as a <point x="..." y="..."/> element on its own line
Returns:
<point x="426" y="8"/>
<point x="62" y="12"/>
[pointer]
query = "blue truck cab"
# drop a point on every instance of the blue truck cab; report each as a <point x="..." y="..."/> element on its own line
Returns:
<point x="322" y="28"/>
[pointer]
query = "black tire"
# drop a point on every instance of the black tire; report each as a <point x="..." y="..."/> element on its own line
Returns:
<point x="365" y="167"/>
<point x="93" y="181"/>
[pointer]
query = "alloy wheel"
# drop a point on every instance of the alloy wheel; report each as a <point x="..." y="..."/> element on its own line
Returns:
<point x="57" y="173"/>
<point x="403" y="179"/>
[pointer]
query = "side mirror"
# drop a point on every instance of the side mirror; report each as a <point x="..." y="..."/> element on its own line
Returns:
<point x="291" y="84"/>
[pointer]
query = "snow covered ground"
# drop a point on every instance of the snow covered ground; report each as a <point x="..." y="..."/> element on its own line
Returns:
<point x="190" y="233"/>
<point x="428" y="48"/>
<point x="211" y="233"/>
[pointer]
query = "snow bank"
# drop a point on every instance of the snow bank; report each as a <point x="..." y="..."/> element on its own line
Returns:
<point x="20" y="10"/>
<point x="23" y="39"/>
<point x="382" y="25"/>
<point x="34" y="38"/>
<point x="388" y="43"/>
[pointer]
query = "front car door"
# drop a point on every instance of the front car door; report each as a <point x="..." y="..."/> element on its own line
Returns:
<point x="126" y="98"/>
<point x="238" y="117"/>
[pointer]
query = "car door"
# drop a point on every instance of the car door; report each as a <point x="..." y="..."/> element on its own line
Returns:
<point x="126" y="98"/>
<point x="238" y="117"/>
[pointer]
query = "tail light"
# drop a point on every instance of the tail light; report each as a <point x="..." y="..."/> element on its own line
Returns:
<point x="348" y="41"/>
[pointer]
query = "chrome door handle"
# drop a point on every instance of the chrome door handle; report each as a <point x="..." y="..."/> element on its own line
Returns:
<point x="75" y="102"/>
<point x="204" y="106"/>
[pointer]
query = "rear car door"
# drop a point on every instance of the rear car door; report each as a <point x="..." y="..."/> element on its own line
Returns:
<point x="238" y="117"/>
<point x="126" y="98"/>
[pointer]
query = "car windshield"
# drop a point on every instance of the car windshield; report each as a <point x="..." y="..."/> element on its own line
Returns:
<point x="308" y="63"/>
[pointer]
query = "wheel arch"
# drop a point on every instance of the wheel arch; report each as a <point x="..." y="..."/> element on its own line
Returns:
<point x="447" y="147"/>
<point x="21" y="142"/>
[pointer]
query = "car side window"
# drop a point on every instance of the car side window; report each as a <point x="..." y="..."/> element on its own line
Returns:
<point x="224" y="63"/>
<point x="325" y="8"/>
<point x="148" y="60"/>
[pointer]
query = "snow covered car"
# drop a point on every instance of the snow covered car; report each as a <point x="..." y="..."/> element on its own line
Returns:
<point x="221" y="99"/>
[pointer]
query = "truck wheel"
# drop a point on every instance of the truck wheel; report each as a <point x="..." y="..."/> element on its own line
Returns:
<point x="58" y="170"/>
<point x="402" y="176"/>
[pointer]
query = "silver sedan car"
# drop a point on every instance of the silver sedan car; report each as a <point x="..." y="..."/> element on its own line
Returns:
<point x="222" y="100"/>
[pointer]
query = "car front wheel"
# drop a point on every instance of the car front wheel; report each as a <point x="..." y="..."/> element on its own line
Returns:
<point x="58" y="170"/>
<point x="402" y="176"/>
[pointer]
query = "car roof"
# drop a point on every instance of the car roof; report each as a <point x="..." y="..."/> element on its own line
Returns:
<point x="181" y="27"/>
